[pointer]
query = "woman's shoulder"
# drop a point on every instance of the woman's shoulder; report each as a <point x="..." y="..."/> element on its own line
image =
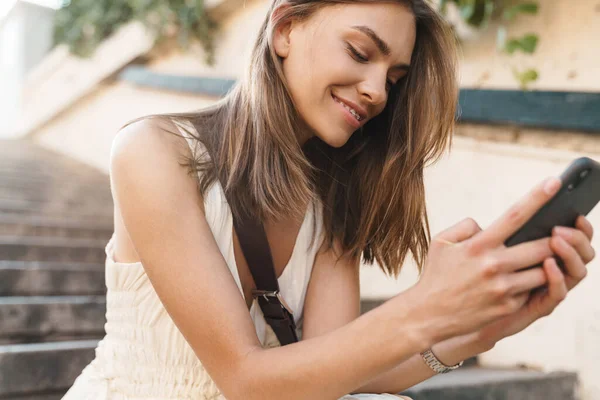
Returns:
<point x="151" y="137"/>
<point x="151" y="150"/>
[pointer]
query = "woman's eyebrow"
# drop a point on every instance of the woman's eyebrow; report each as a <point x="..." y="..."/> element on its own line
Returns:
<point x="382" y="46"/>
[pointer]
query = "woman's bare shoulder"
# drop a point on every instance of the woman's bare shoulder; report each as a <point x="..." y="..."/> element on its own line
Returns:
<point x="159" y="206"/>
<point x="144" y="164"/>
<point x="142" y="136"/>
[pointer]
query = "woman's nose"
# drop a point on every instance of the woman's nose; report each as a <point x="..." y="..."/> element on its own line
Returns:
<point x="374" y="90"/>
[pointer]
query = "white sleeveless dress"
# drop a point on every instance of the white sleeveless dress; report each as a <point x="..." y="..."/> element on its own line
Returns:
<point x="144" y="356"/>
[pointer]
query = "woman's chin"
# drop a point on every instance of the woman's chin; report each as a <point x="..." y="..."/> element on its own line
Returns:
<point x="335" y="139"/>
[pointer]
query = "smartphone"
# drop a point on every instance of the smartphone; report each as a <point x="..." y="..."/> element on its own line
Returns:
<point x="578" y="195"/>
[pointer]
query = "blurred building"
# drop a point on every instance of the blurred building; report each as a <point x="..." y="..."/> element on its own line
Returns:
<point x="506" y="142"/>
<point x="25" y="38"/>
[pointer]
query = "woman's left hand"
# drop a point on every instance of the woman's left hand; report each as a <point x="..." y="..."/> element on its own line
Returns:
<point x="573" y="247"/>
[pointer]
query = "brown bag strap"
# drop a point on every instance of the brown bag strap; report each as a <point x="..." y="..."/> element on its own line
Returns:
<point x="255" y="246"/>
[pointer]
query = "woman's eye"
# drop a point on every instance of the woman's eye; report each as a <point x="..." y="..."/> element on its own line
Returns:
<point x="357" y="56"/>
<point x="389" y="84"/>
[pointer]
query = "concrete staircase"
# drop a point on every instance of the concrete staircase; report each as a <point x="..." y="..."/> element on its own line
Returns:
<point x="473" y="383"/>
<point x="55" y="221"/>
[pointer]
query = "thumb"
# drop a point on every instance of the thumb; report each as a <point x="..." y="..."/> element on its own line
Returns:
<point x="459" y="232"/>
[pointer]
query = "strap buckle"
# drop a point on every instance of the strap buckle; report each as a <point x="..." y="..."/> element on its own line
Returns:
<point x="271" y="293"/>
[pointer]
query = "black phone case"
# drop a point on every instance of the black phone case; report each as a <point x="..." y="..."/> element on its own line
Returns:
<point x="577" y="196"/>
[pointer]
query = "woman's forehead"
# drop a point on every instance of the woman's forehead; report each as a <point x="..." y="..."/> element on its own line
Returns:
<point x="391" y="23"/>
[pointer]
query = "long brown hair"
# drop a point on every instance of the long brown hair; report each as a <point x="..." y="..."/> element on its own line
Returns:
<point x="372" y="188"/>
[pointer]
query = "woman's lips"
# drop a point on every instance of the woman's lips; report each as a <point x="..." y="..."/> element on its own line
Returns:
<point x="348" y="116"/>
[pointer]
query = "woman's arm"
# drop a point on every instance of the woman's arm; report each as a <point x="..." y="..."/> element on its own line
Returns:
<point x="414" y="370"/>
<point x="162" y="211"/>
<point x="333" y="300"/>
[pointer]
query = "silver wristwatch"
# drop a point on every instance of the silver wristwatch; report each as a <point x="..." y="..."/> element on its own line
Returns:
<point x="436" y="365"/>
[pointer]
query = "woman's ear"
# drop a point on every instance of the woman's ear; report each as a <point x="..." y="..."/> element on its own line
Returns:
<point x="281" y="35"/>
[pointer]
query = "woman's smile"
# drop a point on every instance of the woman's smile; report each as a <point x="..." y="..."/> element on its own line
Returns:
<point x="352" y="116"/>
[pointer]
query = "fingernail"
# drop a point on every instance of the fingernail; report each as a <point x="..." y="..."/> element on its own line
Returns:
<point x="562" y="242"/>
<point x="562" y="231"/>
<point x="552" y="185"/>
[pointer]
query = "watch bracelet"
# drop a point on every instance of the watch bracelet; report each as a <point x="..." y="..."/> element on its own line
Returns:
<point x="436" y="365"/>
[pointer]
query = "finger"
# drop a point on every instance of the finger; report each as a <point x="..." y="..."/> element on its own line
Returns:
<point x="526" y="254"/>
<point x="578" y="240"/>
<point x="523" y="298"/>
<point x="557" y="287"/>
<point x="544" y="301"/>
<point x="585" y="226"/>
<point x="508" y="223"/>
<point x="525" y="281"/>
<point x="574" y="266"/>
<point x="459" y="232"/>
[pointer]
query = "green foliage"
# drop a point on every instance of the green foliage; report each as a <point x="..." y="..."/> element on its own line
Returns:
<point x="527" y="44"/>
<point x="84" y="24"/>
<point x="479" y="13"/>
<point x="510" y="13"/>
<point x="525" y="77"/>
<point x="476" y="13"/>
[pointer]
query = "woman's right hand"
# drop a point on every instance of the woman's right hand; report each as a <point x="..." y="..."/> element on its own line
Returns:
<point x="471" y="278"/>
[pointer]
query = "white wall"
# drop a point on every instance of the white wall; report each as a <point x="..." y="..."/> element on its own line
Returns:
<point x="568" y="54"/>
<point x="87" y="130"/>
<point x="39" y="22"/>
<point x="11" y="70"/>
<point x="25" y="38"/>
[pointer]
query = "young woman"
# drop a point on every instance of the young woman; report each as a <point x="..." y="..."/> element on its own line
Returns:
<point x="325" y="140"/>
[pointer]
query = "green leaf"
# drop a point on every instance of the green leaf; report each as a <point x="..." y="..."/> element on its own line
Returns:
<point x="512" y="45"/>
<point x="526" y="44"/>
<point x="526" y="77"/>
<point x="529" y="43"/>
<point x="481" y="14"/>
<point x="522" y="8"/>
<point x="84" y="24"/>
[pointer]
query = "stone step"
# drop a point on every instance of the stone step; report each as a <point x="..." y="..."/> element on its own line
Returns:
<point x="29" y="319"/>
<point x="53" y="206"/>
<point x="49" y="222"/>
<point x="18" y="229"/>
<point x="64" y="180"/>
<point x="367" y="304"/>
<point x="20" y="278"/>
<point x="45" y="174"/>
<point x="32" y="180"/>
<point x="14" y="225"/>
<point x="58" y="210"/>
<point x="54" y="191"/>
<point x="475" y="383"/>
<point x="26" y="155"/>
<point x="57" y="176"/>
<point x="38" y="368"/>
<point x="97" y="196"/>
<point x="53" y="395"/>
<point x="32" y="371"/>
<point x="42" y="248"/>
<point x="53" y="187"/>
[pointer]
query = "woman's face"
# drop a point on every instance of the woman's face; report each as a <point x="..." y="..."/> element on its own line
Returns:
<point x="341" y="62"/>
